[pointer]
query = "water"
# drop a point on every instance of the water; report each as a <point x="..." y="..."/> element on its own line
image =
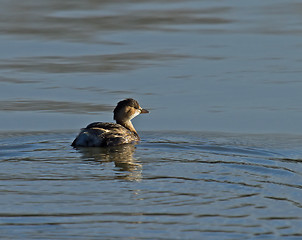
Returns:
<point x="174" y="185"/>
<point x="220" y="156"/>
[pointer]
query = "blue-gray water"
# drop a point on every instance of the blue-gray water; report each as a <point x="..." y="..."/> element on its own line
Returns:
<point x="220" y="156"/>
<point x="174" y="185"/>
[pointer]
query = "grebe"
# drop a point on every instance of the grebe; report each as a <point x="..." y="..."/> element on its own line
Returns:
<point x="102" y="134"/>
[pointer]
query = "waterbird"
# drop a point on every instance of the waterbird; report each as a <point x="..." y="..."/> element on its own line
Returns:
<point x="104" y="134"/>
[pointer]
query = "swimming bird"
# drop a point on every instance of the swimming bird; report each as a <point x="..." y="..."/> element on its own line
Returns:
<point x="103" y="134"/>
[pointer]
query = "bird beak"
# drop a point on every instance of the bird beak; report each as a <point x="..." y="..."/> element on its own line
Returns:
<point x="144" y="111"/>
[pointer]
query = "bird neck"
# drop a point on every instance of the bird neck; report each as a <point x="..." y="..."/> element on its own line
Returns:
<point x="128" y="125"/>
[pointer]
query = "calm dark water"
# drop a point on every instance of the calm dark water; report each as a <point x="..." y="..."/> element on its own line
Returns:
<point x="206" y="65"/>
<point x="221" y="151"/>
<point x="174" y="185"/>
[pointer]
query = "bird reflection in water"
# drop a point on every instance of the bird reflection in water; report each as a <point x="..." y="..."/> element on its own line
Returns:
<point x="121" y="155"/>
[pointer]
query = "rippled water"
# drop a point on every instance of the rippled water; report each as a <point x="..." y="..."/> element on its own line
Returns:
<point x="208" y="65"/>
<point x="174" y="185"/>
<point x="221" y="151"/>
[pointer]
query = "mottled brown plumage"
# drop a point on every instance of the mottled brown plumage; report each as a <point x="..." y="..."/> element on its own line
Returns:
<point x="101" y="134"/>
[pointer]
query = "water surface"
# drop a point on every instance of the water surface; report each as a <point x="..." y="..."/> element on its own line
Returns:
<point x="221" y="151"/>
<point x="174" y="185"/>
<point x="208" y="65"/>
